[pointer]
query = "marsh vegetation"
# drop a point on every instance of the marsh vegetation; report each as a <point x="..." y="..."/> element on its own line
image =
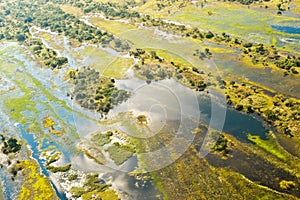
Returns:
<point x="55" y="53"/>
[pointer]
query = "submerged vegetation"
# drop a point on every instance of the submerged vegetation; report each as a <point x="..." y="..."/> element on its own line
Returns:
<point x="119" y="147"/>
<point x="120" y="153"/>
<point x="253" y="168"/>
<point x="93" y="189"/>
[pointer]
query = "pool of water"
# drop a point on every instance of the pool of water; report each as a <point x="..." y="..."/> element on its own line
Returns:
<point x="168" y="100"/>
<point x="287" y="29"/>
<point x="236" y="123"/>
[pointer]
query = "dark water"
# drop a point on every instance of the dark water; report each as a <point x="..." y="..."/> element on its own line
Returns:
<point x="236" y="123"/>
<point x="287" y="29"/>
<point x="255" y="168"/>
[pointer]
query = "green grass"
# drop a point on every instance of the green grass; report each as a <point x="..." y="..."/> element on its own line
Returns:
<point x="92" y="189"/>
<point x="24" y="108"/>
<point x="96" y="58"/>
<point x="250" y="190"/>
<point x="269" y="146"/>
<point x="179" y="49"/>
<point x="100" y="139"/>
<point x="159" y="185"/>
<point x="108" y="195"/>
<point x="113" y="27"/>
<point x="72" y="10"/>
<point x="118" y="67"/>
<point x="93" y="57"/>
<point x="9" y="64"/>
<point x="19" y="105"/>
<point x="59" y="169"/>
<point x="238" y="20"/>
<point x="119" y="154"/>
<point x="169" y="56"/>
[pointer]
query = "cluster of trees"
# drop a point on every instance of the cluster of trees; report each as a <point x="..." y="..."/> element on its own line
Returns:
<point x="12" y="145"/>
<point x="95" y="92"/>
<point x="246" y="2"/>
<point x="154" y="67"/>
<point x="14" y="170"/>
<point x="222" y="144"/>
<point x="58" y="21"/>
<point x="161" y="4"/>
<point x="283" y="113"/>
<point x="283" y="5"/>
<point x="48" y="56"/>
<point x="108" y="8"/>
<point x="289" y="63"/>
<point x="260" y="53"/>
<point x="15" y="24"/>
<point x="203" y="54"/>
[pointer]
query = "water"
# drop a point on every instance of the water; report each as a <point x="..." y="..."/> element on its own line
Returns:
<point x="163" y="101"/>
<point x="273" y="80"/>
<point x="236" y="123"/>
<point x="36" y="155"/>
<point x="174" y="101"/>
<point x="287" y="29"/>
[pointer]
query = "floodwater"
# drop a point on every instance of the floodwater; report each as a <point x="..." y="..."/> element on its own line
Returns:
<point x="162" y="102"/>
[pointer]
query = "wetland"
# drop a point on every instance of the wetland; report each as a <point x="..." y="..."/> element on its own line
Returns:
<point x="149" y="99"/>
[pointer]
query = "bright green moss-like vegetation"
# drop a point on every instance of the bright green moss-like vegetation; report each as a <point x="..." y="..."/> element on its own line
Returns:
<point x="269" y="146"/>
<point x="101" y="139"/>
<point x="120" y="153"/>
<point x="59" y="169"/>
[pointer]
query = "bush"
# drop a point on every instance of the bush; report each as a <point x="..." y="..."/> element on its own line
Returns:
<point x="287" y="185"/>
<point x="11" y="146"/>
<point x="209" y="35"/>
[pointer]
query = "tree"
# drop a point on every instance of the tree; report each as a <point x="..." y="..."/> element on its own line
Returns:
<point x="209" y="35"/>
<point x="7" y="12"/>
<point x="270" y="115"/>
<point x="11" y="146"/>
<point x="20" y="37"/>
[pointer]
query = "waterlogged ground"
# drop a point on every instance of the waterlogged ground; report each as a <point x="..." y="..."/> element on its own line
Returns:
<point x="255" y="24"/>
<point x="38" y="93"/>
<point x="155" y="144"/>
<point x="225" y="60"/>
